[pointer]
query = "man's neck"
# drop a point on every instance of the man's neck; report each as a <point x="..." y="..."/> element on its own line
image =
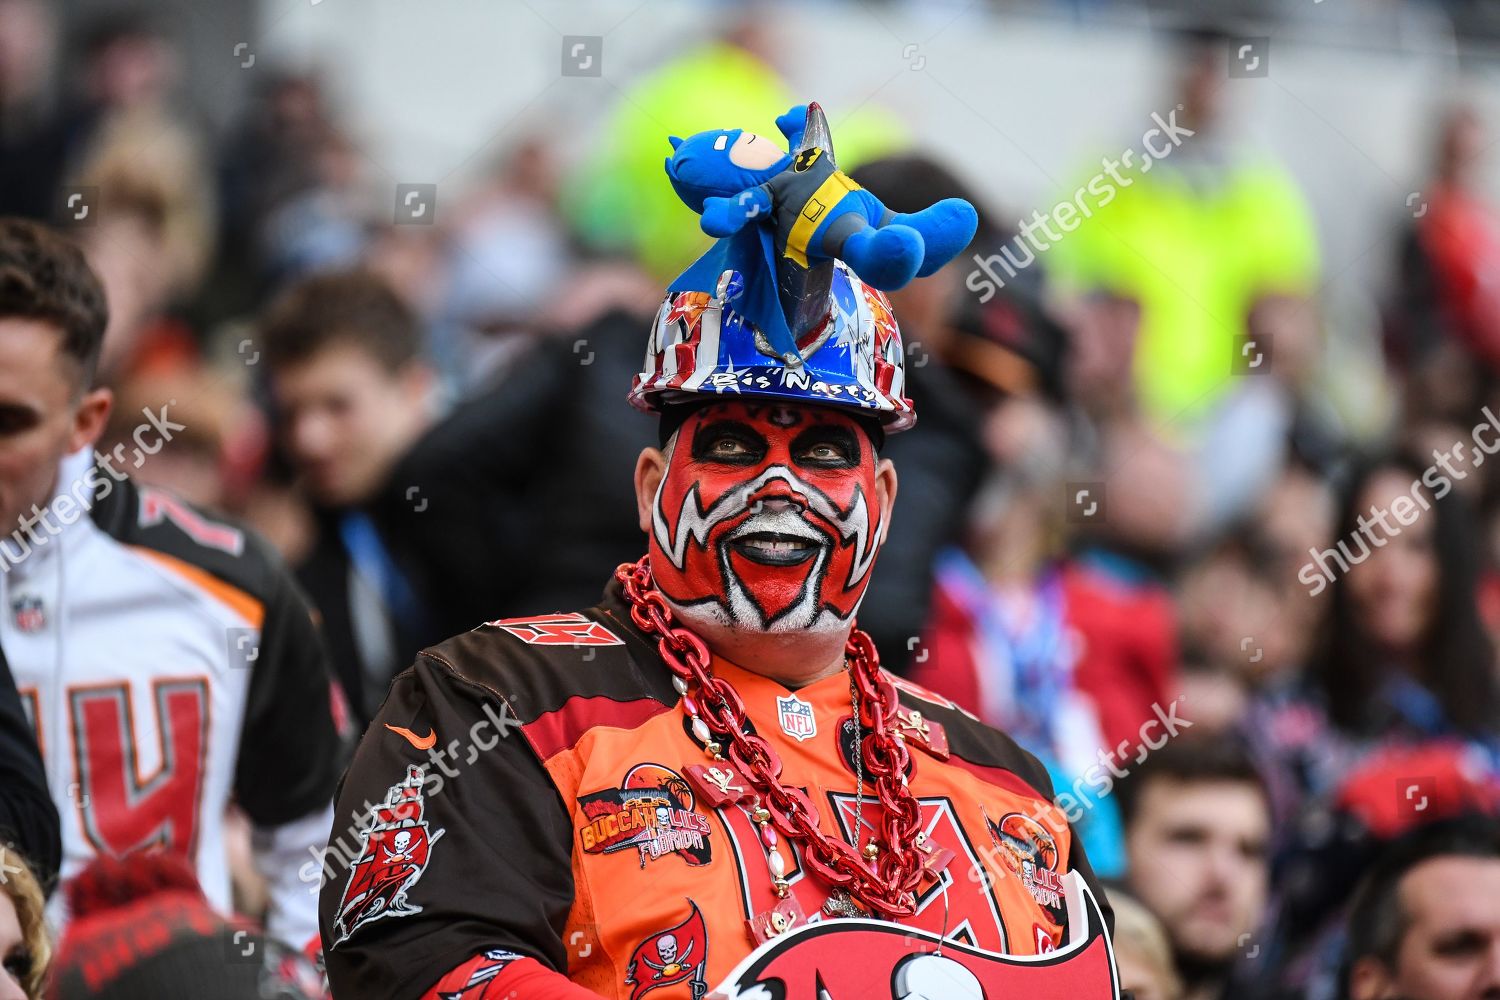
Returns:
<point x="793" y="660"/>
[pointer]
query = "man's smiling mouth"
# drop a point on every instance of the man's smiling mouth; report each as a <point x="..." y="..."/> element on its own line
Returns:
<point x="772" y="548"/>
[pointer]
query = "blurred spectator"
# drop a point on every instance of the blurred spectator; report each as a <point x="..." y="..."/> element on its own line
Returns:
<point x="25" y="949"/>
<point x="326" y="225"/>
<point x="1228" y="604"/>
<point x="509" y="258"/>
<point x="1297" y="515"/>
<point x="1063" y="655"/>
<point x="272" y="155"/>
<point x="124" y="603"/>
<point x="221" y="448"/>
<point x="416" y="263"/>
<point x="942" y="460"/>
<point x="1448" y="293"/>
<point x="33" y="147"/>
<point x="142" y="928"/>
<point x="1339" y="836"/>
<point x="353" y="392"/>
<point x="1404" y="657"/>
<point x="149" y="244"/>
<point x="1217" y="694"/>
<point x="1198" y="828"/>
<point x="152" y="229"/>
<point x="525" y="489"/>
<point x="1249" y="626"/>
<point x="1216" y="248"/>
<point x="127" y="64"/>
<point x="1142" y="952"/>
<point x="1425" y="923"/>
<point x="150" y="171"/>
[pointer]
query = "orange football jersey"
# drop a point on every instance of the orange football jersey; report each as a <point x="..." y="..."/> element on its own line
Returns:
<point x="526" y="791"/>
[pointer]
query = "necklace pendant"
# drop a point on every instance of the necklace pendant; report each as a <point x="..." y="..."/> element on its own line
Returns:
<point x="772" y="923"/>
<point x="929" y="735"/>
<point x="719" y="784"/>
<point x="841" y="904"/>
<point x="935" y="860"/>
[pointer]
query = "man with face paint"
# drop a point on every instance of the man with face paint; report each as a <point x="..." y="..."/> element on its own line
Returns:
<point x="764" y="519"/>
<point x="712" y="756"/>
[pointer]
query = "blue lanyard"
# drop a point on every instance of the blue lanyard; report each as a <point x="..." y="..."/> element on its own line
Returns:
<point x="1036" y="649"/>
<point x="373" y="562"/>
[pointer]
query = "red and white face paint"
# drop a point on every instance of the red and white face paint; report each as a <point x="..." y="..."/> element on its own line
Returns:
<point x="767" y="518"/>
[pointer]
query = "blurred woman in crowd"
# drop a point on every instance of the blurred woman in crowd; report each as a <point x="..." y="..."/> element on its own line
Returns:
<point x="24" y="947"/>
<point x="1407" y="654"/>
<point x="1405" y="658"/>
<point x="1395" y="721"/>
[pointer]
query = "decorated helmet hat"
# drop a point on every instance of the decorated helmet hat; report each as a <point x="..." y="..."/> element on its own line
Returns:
<point x="750" y="318"/>
<point x="700" y="346"/>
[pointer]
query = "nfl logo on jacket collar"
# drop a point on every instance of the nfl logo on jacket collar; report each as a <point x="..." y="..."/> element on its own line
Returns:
<point x="797" y="719"/>
<point x="29" y="613"/>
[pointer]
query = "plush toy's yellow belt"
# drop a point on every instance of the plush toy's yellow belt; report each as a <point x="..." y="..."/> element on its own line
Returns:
<point x="828" y="194"/>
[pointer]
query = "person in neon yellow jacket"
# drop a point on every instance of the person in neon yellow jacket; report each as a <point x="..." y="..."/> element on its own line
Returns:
<point x="1215" y="245"/>
<point x="622" y="202"/>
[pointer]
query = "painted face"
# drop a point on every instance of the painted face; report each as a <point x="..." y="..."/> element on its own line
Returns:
<point x="767" y="518"/>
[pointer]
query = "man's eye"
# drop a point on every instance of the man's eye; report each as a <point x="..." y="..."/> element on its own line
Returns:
<point x="1187" y="837"/>
<point x="728" y="442"/>
<point x="18" y="964"/>
<point x="728" y="448"/>
<point x="16" y="420"/>
<point x="825" y="453"/>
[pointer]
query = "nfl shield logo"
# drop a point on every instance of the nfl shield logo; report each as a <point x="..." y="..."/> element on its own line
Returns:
<point x="797" y="719"/>
<point x="29" y="616"/>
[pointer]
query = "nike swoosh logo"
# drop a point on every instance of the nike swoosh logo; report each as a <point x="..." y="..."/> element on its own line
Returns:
<point x="420" y="742"/>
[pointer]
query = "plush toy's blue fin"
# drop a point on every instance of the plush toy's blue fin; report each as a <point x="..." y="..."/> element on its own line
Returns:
<point x="815" y="132"/>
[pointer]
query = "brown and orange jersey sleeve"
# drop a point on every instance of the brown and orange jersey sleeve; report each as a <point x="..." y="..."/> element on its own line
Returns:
<point x="450" y="841"/>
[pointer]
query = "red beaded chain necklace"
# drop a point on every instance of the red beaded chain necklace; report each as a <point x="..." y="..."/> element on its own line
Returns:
<point x="884" y="878"/>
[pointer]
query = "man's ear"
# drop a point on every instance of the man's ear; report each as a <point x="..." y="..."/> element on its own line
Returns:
<point x="89" y="419"/>
<point x="1369" y="979"/>
<point x="885" y="494"/>
<point x="650" y="469"/>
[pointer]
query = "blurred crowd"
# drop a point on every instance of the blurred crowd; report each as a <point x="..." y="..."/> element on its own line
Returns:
<point x="1136" y="529"/>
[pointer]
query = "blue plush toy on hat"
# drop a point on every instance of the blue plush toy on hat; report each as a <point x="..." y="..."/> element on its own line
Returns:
<point x="734" y="178"/>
